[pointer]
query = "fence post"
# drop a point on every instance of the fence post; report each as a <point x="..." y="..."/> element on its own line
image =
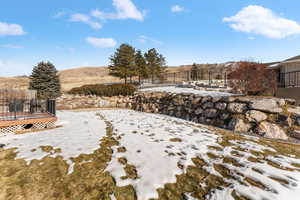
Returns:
<point x="15" y="109"/>
<point x="225" y="79"/>
<point x="174" y="77"/>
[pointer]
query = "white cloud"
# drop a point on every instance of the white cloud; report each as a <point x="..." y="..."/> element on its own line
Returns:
<point x="177" y="8"/>
<point x="85" y="19"/>
<point x="10" y="29"/>
<point x="263" y="21"/>
<point x="125" y="9"/>
<point x="11" y="46"/>
<point x="144" y="39"/>
<point x="101" y="42"/>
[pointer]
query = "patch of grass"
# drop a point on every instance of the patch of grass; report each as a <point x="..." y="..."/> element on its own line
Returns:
<point x="257" y="170"/>
<point x="224" y="171"/>
<point x="212" y="155"/>
<point x="236" y="154"/>
<point x="237" y="196"/>
<point x="254" y="159"/>
<point x="131" y="171"/>
<point x="296" y="165"/>
<point x="121" y="149"/>
<point x="276" y="165"/>
<point x="199" y="162"/>
<point x="122" y="160"/>
<point x="216" y="148"/>
<point x="46" y="149"/>
<point x="255" y="183"/>
<point x="232" y="161"/>
<point x="175" y="140"/>
<point x="279" y="180"/>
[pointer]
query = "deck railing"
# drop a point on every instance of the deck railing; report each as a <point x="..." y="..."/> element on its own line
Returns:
<point x="22" y="105"/>
<point x="289" y="79"/>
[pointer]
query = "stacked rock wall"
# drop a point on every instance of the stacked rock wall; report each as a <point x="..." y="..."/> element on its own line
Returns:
<point x="269" y="117"/>
<point x="67" y="102"/>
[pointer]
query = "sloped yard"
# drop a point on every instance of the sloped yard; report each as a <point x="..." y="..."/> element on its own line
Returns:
<point x="123" y="154"/>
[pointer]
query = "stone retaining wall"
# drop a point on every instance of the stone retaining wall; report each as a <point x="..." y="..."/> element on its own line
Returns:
<point x="67" y="102"/>
<point x="268" y="117"/>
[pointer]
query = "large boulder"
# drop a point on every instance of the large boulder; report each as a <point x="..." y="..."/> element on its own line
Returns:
<point x="210" y="113"/>
<point x="221" y="105"/>
<point x="239" y="125"/>
<point x="208" y="105"/>
<point x="270" y="130"/>
<point x="198" y="111"/>
<point x="178" y="100"/>
<point x="295" y="134"/>
<point x="266" y="105"/>
<point x="237" y="108"/>
<point x="256" y="116"/>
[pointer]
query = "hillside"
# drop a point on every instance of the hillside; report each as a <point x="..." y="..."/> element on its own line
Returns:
<point x="69" y="78"/>
<point x="75" y="77"/>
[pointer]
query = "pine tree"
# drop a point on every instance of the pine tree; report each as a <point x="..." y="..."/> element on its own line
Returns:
<point x="45" y="80"/>
<point x="194" y="72"/>
<point x="141" y="66"/>
<point x="155" y="63"/>
<point x="123" y="62"/>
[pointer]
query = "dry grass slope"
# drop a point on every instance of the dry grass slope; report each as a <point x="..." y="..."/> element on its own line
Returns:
<point x="75" y="77"/>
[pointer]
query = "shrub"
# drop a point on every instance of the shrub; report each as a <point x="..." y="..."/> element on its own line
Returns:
<point x="105" y="90"/>
<point x="253" y="78"/>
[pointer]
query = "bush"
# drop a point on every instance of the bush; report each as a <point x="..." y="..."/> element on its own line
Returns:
<point x="251" y="78"/>
<point x="105" y="90"/>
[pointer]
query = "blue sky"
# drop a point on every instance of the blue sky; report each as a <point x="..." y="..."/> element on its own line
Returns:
<point x="72" y="33"/>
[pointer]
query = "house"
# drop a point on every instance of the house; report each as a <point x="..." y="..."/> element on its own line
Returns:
<point x="288" y="73"/>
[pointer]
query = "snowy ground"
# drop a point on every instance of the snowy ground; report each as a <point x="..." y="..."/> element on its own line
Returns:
<point x="79" y="134"/>
<point x="156" y="144"/>
<point x="155" y="154"/>
<point x="177" y="90"/>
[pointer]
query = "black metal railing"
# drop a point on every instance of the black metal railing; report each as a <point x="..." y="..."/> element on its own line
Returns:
<point x="289" y="79"/>
<point x="21" y="109"/>
<point x="186" y="76"/>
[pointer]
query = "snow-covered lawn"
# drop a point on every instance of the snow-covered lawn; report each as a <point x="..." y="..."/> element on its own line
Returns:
<point x="80" y="134"/>
<point x="177" y="90"/>
<point x="157" y="145"/>
<point x="148" y="156"/>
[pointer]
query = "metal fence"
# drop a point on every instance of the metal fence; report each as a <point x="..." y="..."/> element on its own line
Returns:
<point x="188" y="75"/>
<point x="21" y="105"/>
<point x="289" y="79"/>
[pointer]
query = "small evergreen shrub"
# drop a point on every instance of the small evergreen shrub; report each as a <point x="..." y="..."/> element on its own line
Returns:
<point x="105" y="90"/>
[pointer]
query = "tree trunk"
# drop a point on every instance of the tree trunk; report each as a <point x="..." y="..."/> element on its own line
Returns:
<point x="152" y="77"/>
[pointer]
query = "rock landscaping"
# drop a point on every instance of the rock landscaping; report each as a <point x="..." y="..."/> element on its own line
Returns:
<point x="263" y="116"/>
<point x="69" y="102"/>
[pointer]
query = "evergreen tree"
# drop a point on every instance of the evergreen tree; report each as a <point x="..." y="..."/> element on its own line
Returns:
<point x="155" y="63"/>
<point x="194" y="72"/>
<point x="123" y="62"/>
<point x="141" y="66"/>
<point x="45" y="80"/>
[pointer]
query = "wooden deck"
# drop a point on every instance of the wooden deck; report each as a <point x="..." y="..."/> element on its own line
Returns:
<point x="23" y="119"/>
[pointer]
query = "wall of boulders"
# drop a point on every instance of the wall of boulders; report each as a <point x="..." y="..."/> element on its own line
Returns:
<point x="269" y="117"/>
<point x="68" y="102"/>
